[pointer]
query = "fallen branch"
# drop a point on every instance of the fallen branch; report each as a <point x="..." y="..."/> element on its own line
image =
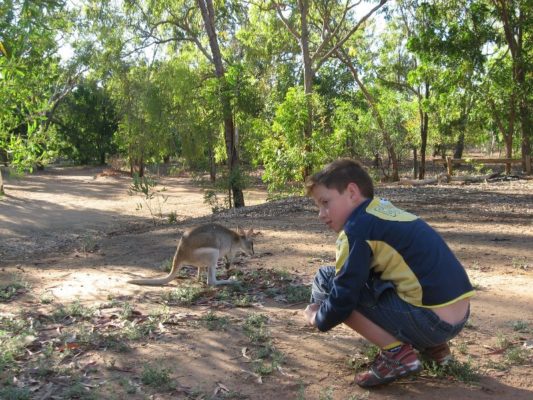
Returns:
<point x="420" y="182"/>
<point x="445" y="178"/>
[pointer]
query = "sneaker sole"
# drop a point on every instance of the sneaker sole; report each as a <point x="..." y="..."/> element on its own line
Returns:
<point x="384" y="381"/>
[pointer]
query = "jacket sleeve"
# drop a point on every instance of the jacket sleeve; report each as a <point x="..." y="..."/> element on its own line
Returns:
<point x="346" y="286"/>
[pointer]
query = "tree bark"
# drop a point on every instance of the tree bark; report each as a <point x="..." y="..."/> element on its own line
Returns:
<point x="424" y="127"/>
<point x="372" y="103"/>
<point x="208" y="16"/>
<point x="514" y="37"/>
<point x="1" y="183"/>
<point x="459" y="146"/>
<point x="308" y="83"/>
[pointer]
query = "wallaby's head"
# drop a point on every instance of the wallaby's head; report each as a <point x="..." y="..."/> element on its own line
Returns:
<point x="246" y="242"/>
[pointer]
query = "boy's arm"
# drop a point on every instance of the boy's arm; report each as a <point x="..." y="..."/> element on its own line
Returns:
<point x="346" y="287"/>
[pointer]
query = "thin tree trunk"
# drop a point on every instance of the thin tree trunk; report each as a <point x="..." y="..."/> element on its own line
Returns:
<point x="1" y="183"/>
<point x="415" y="163"/>
<point x="308" y="84"/>
<point x="371" y="102"/>
<point x="526" y="135"/>
<point x="515" y="40"/>
<point x="208" y="16"/>
<point x="424" y="127"/>
<point x="459" y="146"/>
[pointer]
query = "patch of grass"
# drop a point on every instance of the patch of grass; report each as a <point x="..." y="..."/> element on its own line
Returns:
<point x="227" y="396"/>
<point x="127" y="385"/>
<point x="214" y="322"/>
<point x="502" y="341"/>
<point x="520" y="326"/>
<point x="266" y="358"/>
<point x="89" y="244"/>
<point x="166" y="266"/>
<point x="14" y="393"/>
<point x="360" y="361"/>
<point x="363" y="396"/>
<point x="78" y="391"/>
<point x="462" y="371"/>
<point x="301" y="391"/>
<point x="10" y="291"/>
<point x="135" y="331"/>
<point x="280" y="285"/>
<point x="126" y="311"/>
<point x="326" y="393"/>
<point x="255" y="328"/>
<point x="233" y="294"/>
<point x="470" y="325"/>
<point x="157" y="377"/>
<point x="46" y="298"/>
<point x="15" y="333"/>
<point x="462" y="348"/>
<point x="298" y="293"/>
<point x="172" y="217"/>
<point x="520" y="263"/>
<point x="185" y="295"/>
<point x="498" y="366"/>
<point x="73" y="310"/>
<point x="516" y="355"/>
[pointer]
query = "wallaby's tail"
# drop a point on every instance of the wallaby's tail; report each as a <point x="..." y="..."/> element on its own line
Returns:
<point x="161" y="281"/>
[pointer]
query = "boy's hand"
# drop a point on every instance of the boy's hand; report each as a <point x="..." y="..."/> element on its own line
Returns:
<point x="310" y="313"/>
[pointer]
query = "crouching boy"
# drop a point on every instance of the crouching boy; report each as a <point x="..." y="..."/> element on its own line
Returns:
<point x="395" y="281"/>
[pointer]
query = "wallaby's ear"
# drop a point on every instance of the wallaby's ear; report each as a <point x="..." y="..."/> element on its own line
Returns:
<point x="250" y="232"/>
<point x="240" y="231"/>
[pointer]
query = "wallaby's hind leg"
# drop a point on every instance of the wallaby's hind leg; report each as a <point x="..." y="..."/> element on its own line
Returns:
<point x="208" y="257"/>
<point x="199" y="275"/>
<point x="212" y="277"/>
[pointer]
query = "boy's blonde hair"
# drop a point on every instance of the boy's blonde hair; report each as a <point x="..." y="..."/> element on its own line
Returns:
<point x="339" y="174"/>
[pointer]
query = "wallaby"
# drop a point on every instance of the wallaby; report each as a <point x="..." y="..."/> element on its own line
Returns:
<point x="202" y="247"/>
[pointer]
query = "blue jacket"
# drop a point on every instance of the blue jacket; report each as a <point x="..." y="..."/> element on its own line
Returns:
<point x="398" y="247"/>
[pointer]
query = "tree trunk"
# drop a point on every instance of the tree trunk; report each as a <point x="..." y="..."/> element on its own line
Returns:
<point x="212" y="165"/>
<point x="208" y="16"/>
<point x="386" y="137"/>
<point x="459" y="146"/>
<point x="424" y="127"/>
<point x="415" y="163"/>
<point x="527" y="135"/>
<point x="423" y="143"/>
<point x="308" y="85"/>
<point x="1" y="183"/>
<point x="514" y="35"/>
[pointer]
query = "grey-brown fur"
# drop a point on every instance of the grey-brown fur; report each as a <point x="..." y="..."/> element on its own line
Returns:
<point x="202" y="247"/>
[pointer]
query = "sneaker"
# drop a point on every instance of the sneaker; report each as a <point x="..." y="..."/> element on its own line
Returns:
<point x="440" y="354"/>
<point x="388" y="367"/>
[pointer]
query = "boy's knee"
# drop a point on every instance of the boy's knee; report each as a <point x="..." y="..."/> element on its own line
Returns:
<point x="326" y="273"/>
<point x="322" y="284"/>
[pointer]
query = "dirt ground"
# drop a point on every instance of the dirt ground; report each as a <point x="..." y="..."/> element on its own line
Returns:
<point x="72" y="237"/>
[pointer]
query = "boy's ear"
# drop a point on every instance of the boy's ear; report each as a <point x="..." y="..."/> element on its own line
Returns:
<point x="354" y="191"/>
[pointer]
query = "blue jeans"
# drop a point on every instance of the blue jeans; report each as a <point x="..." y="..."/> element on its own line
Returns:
<point x="379" y="302"/>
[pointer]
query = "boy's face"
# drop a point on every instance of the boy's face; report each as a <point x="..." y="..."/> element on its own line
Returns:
<point x="334" y="207"/>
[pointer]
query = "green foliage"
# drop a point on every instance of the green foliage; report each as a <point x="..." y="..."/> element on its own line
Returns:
<point x="86" y="122"/>
<point x="32" y="81"/>
<point x="287" y="152"/>
<point x="153" y="198"/>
